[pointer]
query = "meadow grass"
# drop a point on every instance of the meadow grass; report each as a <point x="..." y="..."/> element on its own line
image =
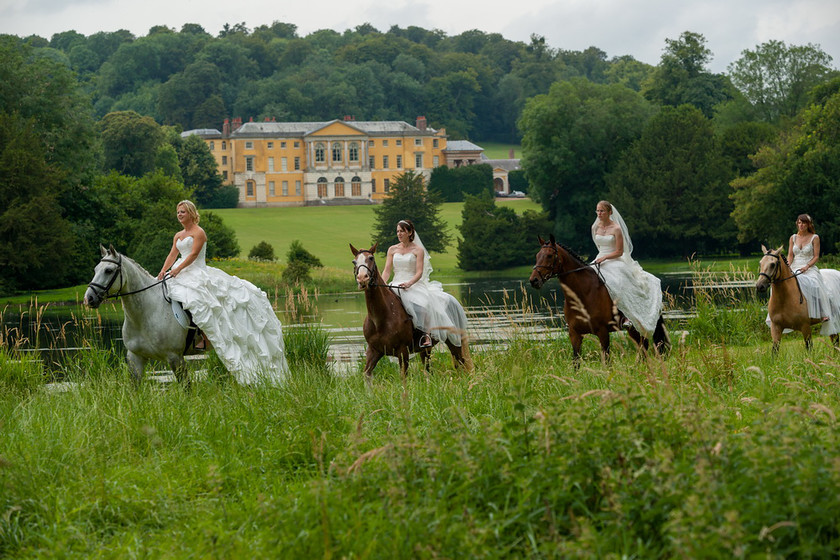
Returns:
<point x="720" y="449"/>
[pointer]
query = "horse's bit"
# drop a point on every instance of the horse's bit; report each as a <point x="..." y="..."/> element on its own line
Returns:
<point x="102" y="291"/>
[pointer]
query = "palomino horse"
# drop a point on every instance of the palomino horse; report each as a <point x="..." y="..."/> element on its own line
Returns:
<point x="388" y="328"/>
<point x="787" y="308"/>
<point x="587" y="307"/>
<point x="150" y="330"/>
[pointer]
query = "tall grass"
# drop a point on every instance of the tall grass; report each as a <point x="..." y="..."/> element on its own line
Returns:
<point x="719" y="450"/>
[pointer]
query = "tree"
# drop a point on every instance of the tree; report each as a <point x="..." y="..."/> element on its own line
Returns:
<point x="131" y="142"/>
<point x="199" y="170"/>
<point x="409" y="199"/>
<point x="681" y="76"/>
<point x="453" y="184"/>
<point x="496" y="237"/>
<point x="572" y="137"/>
<point x="776" y="78"/>
<point x="800" y="173"/>
<point x="262" y="251"/>
<point x="672" y="187"/>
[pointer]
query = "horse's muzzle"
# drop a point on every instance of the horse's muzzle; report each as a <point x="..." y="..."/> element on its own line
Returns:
<point x="536" y="281"/>
<point x="91" y="299"/>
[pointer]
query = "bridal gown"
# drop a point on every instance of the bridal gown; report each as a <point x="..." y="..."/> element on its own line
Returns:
<point x="431" y="309"/>
<point x="634" y="292"/>
<point x="234" y="315"/>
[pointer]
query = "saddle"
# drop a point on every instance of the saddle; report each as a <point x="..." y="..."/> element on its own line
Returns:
<point x="184" y="319"/>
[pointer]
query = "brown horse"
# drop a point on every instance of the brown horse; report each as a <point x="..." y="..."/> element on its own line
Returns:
<point x="388" y="328"/>
<point x="787" y="308"/>
<point x="588" y="308"/>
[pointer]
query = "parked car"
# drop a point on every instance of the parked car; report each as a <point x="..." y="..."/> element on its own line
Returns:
<point x="517" y="194"/>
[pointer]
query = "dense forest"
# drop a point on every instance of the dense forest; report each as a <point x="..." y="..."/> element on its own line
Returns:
<point x="698" y="162"/>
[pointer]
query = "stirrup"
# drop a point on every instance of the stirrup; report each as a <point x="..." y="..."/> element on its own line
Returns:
<point x="425" y="341"/>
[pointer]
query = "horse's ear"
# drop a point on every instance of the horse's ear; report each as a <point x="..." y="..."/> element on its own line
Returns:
<point x="111" y="249"/>
<point x="551" y="238"/>
<point x="354" y="250"/>
<point x="541" y="240"/>
<point x="764" y="249"/>
<point x="779" y="250"/>
<point x="373" y="249"/>
<point x="102" y="250"/>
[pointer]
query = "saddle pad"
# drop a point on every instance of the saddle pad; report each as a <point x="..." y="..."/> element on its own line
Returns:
<point x="180" y="314"/>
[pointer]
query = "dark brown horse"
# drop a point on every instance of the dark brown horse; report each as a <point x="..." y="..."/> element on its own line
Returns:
<point x="388" y="328"/>
<point x="588" y="308"/>
<point x="787" y="308"/>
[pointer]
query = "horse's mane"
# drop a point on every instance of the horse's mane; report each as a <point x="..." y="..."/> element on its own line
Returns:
<point x="574" y="255"/>
<point x="116" y="253"/>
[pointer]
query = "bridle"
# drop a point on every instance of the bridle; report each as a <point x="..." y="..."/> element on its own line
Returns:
<point x="551" y="269"/>
<point x="102" y="291"/>
<point x="778" y="272"/>
<point x="373" y="273"/>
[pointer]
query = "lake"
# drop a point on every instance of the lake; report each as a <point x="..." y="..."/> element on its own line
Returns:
<point x="497" y="309"/>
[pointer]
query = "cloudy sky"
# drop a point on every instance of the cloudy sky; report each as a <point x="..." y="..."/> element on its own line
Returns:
<point x="618" y="27"/>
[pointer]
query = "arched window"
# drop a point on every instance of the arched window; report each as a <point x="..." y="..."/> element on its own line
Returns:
<point x="336" y="152"/>
<point x="356" y="186"/>
<point x="320" y="153"/>
<point x="339" y="186"/>
<point x="353" y="152"/>
<point x="322" y="187"/>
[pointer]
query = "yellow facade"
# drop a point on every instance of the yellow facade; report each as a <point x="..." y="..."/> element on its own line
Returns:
<point x="336" y="162"/>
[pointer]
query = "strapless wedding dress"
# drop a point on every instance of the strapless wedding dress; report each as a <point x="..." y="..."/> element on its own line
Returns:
<point x="431" y="309"/>
<point x="234" y="315"/>
<point x="634" y="292"/>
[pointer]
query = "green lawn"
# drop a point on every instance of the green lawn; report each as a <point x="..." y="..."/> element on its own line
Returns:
<point x="496" y="150"/>
<point x="326" y="231"/>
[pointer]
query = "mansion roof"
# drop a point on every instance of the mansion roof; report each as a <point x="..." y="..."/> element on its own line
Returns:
<point x="300" y="129"/>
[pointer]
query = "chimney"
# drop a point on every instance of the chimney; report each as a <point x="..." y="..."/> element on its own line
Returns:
<point x="237" y="122"/>
<point x="226" y="128"/>
<point x="421" y="123"/>
<point x="510" y="154"/>
<point x="267" y="120"/>
<point x="250" y="119"/>
<point x="349" y="118"/>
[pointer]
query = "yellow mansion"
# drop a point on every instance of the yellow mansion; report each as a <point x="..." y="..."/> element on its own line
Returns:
<point x="335" y="162"/>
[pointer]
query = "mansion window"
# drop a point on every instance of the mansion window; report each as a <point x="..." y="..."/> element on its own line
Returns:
<point x="322" y="187"/>
<point x="339" y="186"/>
<point x="384" y="162"/>
<point x="436" y="161"/>
<point x="373" y="185"/>
<point x="297" y="187"/>
<point x="271" y="190"/>
<point x="270" y="145"/>
<point x="297" y="163"/>
<point x="336" y="152"/>
<point x="224" y="145"/>
<point x="285" y="188"/>
<point x="320" y="153"/>
<point x="384" y="142"/>
<point x="212" y="145"/>
<point x="271" y="165"/>
<point x="224" y="160"/>
<point x="224" y="176"/>
<point x="282" y="144"/>
<point x="435" y="143"/>
<point x="418" y="141"/>
<point x="297" y="144"/>
<point x="371" y="162"/>
<point x="249" y="163"/>
<point x="356" y="186"/>
<point x="249" y="145"/>
<point x="399" y="142"/>
<point x="418" y="161"/>
<point x="353" y="154"/>
<point x="249" y="189"/>
<point x="387" y="185"/>
<point x="283" y="165"/>
<point x="399" y="162"/>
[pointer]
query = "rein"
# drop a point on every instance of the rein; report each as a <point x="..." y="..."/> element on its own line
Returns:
<point x="373" y="274"/>
<point x="780" y="280"/>
<point x="103" y="290"/>
<point x="552" y="273"/>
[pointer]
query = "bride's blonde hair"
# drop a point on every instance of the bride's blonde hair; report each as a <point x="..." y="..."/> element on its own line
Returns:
<point x="191" y="210"/>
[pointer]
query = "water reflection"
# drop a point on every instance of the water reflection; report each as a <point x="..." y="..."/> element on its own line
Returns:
<point x="498" y="311"/>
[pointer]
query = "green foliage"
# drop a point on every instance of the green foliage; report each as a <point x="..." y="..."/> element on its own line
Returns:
<point x="672" y="187"/>
<point x="776" y="78"/>
<point x="681" y="76"/>
<point x="518" y="180"/>
<point x="131" y="142"/>
<point x="296" y="272"/>
<point x="200" y="171"/>
<point x="297" y="253"/>
<point x="409" y="199"/>
<point x="262" y="251"/>
<point x="221" y="239"/>
<point x="496" y="237"/>
<point x="800" y="173"/>
<point x="453" y="184"/>
<point x="572" y="138"/>
<point x="307" y="347"/>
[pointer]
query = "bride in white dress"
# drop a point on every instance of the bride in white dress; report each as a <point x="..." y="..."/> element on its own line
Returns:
<point x="432" y="310"/>
<point x="636" y="293"/>
<point x="821" y="296"/>
<point x="233" y="314"/>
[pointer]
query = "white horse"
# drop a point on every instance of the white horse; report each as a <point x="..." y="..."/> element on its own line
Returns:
<point x="150" y="330"/>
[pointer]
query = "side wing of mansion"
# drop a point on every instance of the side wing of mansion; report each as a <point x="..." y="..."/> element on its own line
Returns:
<point x="335" y="162"/>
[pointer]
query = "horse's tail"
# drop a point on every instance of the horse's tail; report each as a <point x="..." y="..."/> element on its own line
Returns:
<point x="661" y="340"/>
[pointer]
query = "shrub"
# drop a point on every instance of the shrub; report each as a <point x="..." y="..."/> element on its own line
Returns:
<point x="296" y="272"/>
<point x="262" y="251"/>
<point x="298" y="254"/>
